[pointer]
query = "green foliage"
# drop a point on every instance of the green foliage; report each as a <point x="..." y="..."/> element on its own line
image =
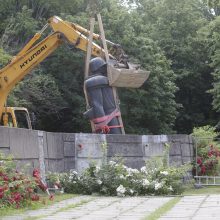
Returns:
<point x="204" y="135"/>
<point x="41" y="95"/>
<point x="167" y="37"/>
<point x="211" y="35"/>
<point x="174" y="25"/>
<point x="18" y="30"/>
<point x="205" y="132"/>
<point x="4" y="58"/>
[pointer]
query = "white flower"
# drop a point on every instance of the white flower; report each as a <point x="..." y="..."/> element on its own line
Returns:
<point x="158" y="186"/>
<point x="125" y="167"/>
<point x="133" y="180"/>
<point x="70" y="179"/>
<point x="145" y="182"/>
<point x="122" y="177"/>
<point x="131" y="171"/>
<point x="131" y="191"/>
<point x="112" y="163"/>
<point x="97" y="169"/>
<point x="135" y="171"/>
<point x="154" y="170"/>
<point x="170" y="188"/>
<point x="165" y="173"/>
<point x="144" y="169"/>
<point x="120" y="190"/>
<point x="73" y="172"/>
<point x="99" y="181"/>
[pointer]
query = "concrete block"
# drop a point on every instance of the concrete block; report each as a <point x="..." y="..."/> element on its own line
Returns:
<point x="164" y="138"/>
<point x="46" y="163"/>
<point x="187" y="159"/>
<point x="134" y="162"/>
<point x="45" y="144"/>
<point x="56" y="165"/>
<point x="183" y="138"/>
<point x="89" y="145"/>
<point x="149" y="158"/>
<point x="185" y="148"/>
<point x="69" y="149"/>
<point x="191" y="141"/>
<point x="69" y="137"/>
<point x="154" y="149"/>
<point x="36" y="163"/>
<point x="175" y="148"/>
<point x="23" y="143"/>
<point x="192" y="150"/>
<point x="115" y="138"/>
<point x="151" y="139"/>
<point x="125" y="149"/>
<point x="26" y="166"/>
<point x="90" y="138"/>
<point x="55" y="145"/>
<point x="5" y="151"/>
<point x="4" y="137"/>
<point x="176" y="161"/>
<point x="69" y="163"/>
<point x="83" y="163"/>
<point x="155" y="138"/>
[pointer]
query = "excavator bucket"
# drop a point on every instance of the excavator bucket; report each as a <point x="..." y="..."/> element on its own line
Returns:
<point x="130" y="78"/>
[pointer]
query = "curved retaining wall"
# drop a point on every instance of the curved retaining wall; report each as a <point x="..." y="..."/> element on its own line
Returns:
<point x="59" y="152"/>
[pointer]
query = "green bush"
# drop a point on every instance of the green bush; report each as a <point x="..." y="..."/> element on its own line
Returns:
<point x="204" y="135"/>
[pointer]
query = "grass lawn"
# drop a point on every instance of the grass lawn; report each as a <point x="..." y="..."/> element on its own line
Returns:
<point x="204" y="190"/>
<point x="44" y="201"/>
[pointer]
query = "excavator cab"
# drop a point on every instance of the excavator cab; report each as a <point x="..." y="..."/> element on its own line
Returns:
<point x="16" y="117"/>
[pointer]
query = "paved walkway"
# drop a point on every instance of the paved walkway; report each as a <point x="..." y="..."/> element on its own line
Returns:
<point x="205" y="207"/>
<point x="127" y="208"/>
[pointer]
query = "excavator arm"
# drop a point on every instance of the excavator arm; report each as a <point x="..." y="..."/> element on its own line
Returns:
<point x="30" y="56"/>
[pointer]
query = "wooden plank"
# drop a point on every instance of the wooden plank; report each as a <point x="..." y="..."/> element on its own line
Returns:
<point x="89" y="47"/>
<point x="86" y="73"/>
<point x="102" y="33"/>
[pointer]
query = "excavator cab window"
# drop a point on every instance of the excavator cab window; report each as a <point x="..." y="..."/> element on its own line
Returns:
<point x="21" y="118"/>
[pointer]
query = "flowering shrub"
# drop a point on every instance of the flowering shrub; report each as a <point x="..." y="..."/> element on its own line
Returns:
<point x="114" y="178"/>
<point x="16" y="189"/>
<point x="208" y="153"/>
<point x="208" y="160"/>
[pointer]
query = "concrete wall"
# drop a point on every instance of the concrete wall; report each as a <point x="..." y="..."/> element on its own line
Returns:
<point x="61" y="152"/>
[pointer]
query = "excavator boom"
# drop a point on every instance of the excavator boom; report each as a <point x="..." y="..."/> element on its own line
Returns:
<point x="30" y="56"/>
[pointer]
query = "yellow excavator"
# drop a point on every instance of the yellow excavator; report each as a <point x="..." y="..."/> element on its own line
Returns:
<point x="33" y="53"/>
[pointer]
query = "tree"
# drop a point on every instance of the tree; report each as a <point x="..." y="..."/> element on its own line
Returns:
<point x="174" y="25"/>
<point x="40" y="94"/>
<point x="210" y="34"/>
<point x="152" y="108"/>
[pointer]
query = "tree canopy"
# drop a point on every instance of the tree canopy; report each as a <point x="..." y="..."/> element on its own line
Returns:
<point x="177" y="41"/>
